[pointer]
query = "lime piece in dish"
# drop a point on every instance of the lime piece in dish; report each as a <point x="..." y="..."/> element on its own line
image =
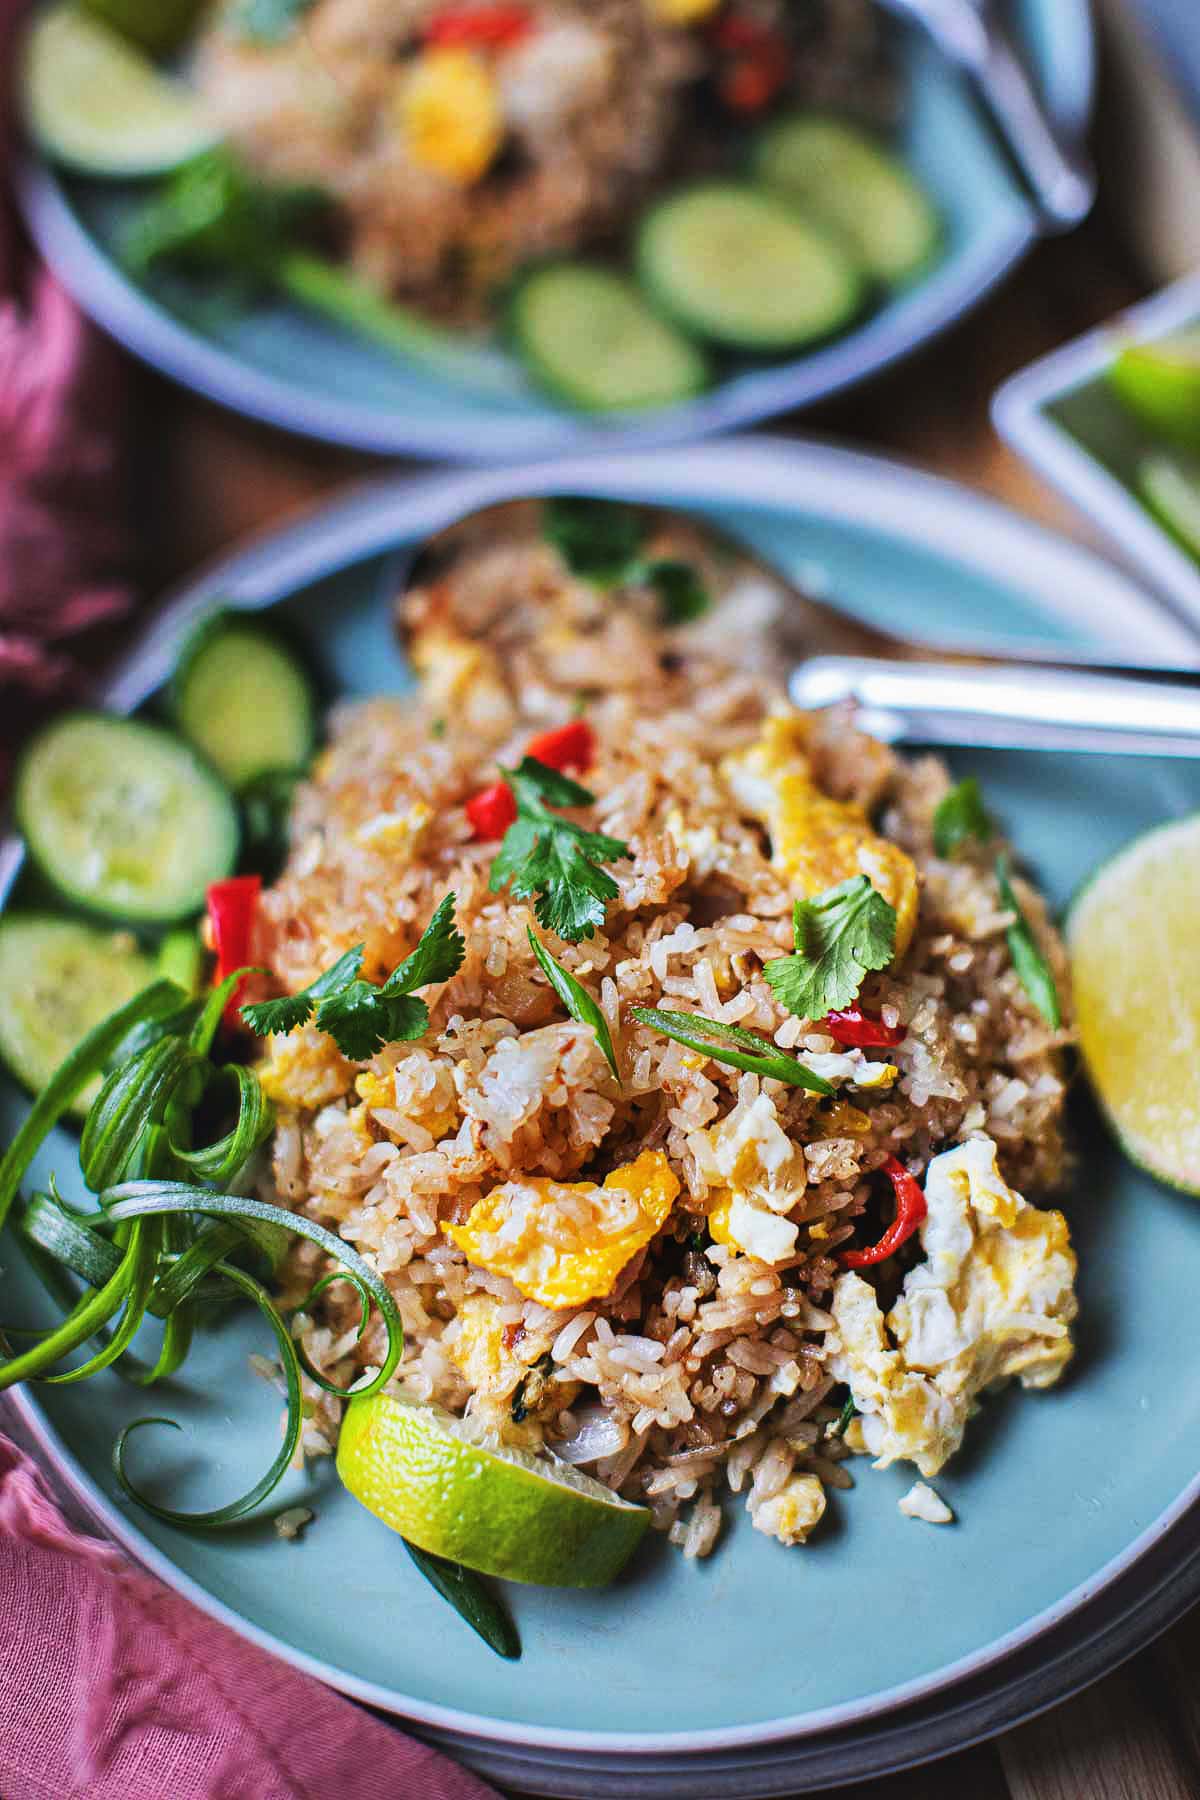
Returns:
<point x="154" y="25"/>
<point x="844" y="180"/>
<point x="1171" y="489"/>
<point x="1133" y="935"/>
<point x="124" y="819"/>
<point x="497" y="1510"/>
<point x="59" y="978"/>
<point x="1160" y="384"/>
<point x="95" y="102"/>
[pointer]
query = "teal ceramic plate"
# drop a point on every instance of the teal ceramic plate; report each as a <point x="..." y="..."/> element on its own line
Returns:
<point x="1057" y="1495"/>
<point x="278" y="364"/>
<point x="1061" y="414"/>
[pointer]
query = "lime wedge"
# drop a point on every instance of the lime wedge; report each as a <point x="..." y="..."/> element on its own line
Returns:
<point x="1160" y="384"/>
<point x="1134" y="940"/>
<point x="501" y="1511"/>
<point x="1171" y="489"/>
<point x="153" y="25"/>
<point x="96" y="103"/>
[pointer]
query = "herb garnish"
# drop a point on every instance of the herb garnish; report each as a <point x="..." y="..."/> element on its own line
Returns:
<point x="212" y="214"/>
<point x="1032" y="969"/>
<point x="840" y="936"/>
<point x="551" y="860"/>
<point x="471" y="1598"/>
<point x="841" y="1424"/>
<point x="359" y="1016"/>
<point x="578" y="1002"/>
<point x="730" y="1044"/>
<point x="960" y="815"/>
<point x="602" y="541"/>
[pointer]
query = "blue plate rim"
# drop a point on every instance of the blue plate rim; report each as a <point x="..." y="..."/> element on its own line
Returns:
<point x="152" y="334"/>
<point x="776" y="472"/>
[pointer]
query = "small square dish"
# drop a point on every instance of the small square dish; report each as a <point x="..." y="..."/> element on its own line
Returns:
<point x="1064" y="417"/>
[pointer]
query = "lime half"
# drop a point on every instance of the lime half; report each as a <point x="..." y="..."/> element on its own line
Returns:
<point x="1134" y="940"/>
<point x="1171" y="489"/>
<point x="501" y="1511"/>
<point x="95" y="102"/>
<point x="1160" y="384"/>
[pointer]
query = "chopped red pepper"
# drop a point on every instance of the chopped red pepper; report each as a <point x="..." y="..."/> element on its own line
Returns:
<point x="910" y="1211"/>
<point x="861" y="1030"/>
<point x="232" y="905"/>
<point x="492" y="811"/>
<point x="495" y="26"/>
<point x="760" y="63"/>
<point x="572" y="746"/>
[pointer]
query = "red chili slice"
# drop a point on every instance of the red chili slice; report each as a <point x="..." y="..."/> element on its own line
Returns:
<point x="495" y="26"/>
<point x="760" y="63"/>
<point x="572" y="746"/>
<point x="232" y="905"/>
<point x="861" y="1030"/>
<point x="910" y="1211"/>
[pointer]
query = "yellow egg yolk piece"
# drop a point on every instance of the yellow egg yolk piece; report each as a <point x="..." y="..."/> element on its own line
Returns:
<point x="816" y="841"/>
<point x="450" y="114"/>
<point x="563" y="1243"/>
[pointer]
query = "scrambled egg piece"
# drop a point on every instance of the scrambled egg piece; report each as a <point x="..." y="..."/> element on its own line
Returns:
<point x="993" y="1299"/>
<point x="851" y="1066"/>
<point x="451" y="115"/>
<point x="817" y="842"/>
<point x="396" y="834"/>
<point x="460" y="679"/>
<point x="921" y="1502"/>
<point x="682" y="12"/>
<point x="304" y="1068"/>
<point x="758" y="1175"/>
<point x="563" y="1243"/>
<point x="497" y="1372"/>
<point x="793" y="1512"/>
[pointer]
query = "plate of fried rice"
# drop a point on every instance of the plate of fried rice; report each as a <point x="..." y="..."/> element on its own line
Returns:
<point x="734" y="1159"/>
<point x="493" y="171"/>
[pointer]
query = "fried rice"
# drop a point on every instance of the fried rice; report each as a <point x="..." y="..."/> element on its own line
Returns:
<point x="701" y="1368"/>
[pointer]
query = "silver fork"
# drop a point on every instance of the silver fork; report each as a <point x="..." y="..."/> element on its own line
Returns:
<point x="970" y="34"/>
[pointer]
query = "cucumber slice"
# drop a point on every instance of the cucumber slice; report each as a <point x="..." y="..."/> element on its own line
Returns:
<point x="846" y="182"/>
<point x="590" y="338"/>
<point x="1170" y="486"/>
<point x="741" y="267"/>
<point x="242" y="698"/>
<point x="95" y="102"/>
<point x="124" y="819"/>
<point x="58" y="978"/>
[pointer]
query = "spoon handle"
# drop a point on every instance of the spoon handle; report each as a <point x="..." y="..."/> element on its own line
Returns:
<point x="1059" y="175"/>
<point x="1010" y="706"/>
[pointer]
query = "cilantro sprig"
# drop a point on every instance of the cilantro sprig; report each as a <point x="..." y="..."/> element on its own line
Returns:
<point x="603" y="540"/>
<point x="1033" y="971"/>
<point x="840" y="936"/>
<point x="361" y="1016"/>
<point x="960" y="815"/>
<point x="551" y="860"/>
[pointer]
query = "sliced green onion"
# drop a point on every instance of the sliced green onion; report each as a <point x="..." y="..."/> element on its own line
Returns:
<point x="730" y="1044"/>
<point x="213" y="1011"/>
<point x="86" y="1061"/>
<point x="1033" y="971"/>
<point x="141" y="1199"/>
<point x="471" y="1598"/>
<point x="314" y="1293"/>
<point x="266" y="1484"/>
<point x="220" y="1162"/>
<point x="575" y="997"/>
<point x="133" y="1100"/>
<point x="145" y="1240"/>
<point x="46" y="1223"/>
<point x="92" y="1311"/>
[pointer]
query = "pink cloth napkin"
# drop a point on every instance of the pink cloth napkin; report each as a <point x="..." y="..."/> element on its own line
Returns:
<point x="113" y="1688"/>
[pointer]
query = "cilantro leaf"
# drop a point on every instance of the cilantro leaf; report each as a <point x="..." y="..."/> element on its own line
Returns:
<point x="960" y="815"/>
<point x="359" y="1016"/>
<point x="578" y="1002"/>
<point x="272" y="1017"/>
<point x="1033" y="971"/>
<point x="840" y="936"/>
<point x="597" y="539"/>
<point x="211" y="214"/>
<point x="682" y="593"/>
<point x="552" y="860"/>
<point x="730" y="1044"/>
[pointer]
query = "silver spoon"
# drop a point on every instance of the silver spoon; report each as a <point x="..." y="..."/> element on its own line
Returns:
<point x="969" y="34"/>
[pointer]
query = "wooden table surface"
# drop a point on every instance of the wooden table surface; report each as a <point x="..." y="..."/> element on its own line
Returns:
<point x="208" y="478"/>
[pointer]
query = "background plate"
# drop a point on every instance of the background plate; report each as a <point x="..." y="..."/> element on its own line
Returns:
<point x="1057" y="1495"/>
<point x="278" y="364"/>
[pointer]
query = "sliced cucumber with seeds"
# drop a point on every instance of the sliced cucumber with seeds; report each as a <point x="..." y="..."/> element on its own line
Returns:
<point x="845" y="181"/>
<point x="743" y="268"/>
<point x="590" y="338"/>
<point x="242" y="698"/>
<point x="58" y="978"/>
<point x="124" y="819"/>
